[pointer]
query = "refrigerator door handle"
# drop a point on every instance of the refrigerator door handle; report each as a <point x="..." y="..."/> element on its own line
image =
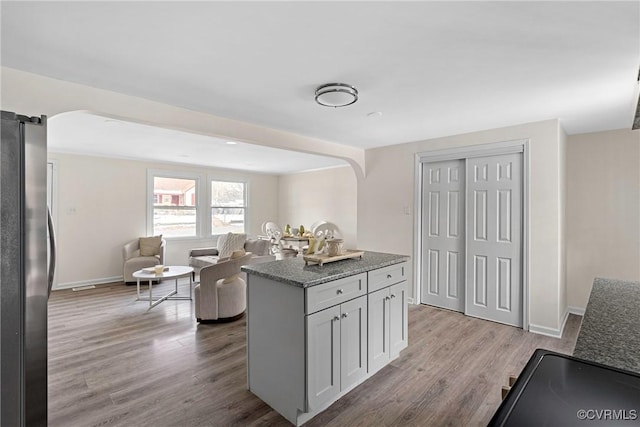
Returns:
<point x="52" y="250"/>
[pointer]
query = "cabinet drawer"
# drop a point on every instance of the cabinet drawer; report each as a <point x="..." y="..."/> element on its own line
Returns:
<point x="338" y="291"/>
<point x="387" y="276"/>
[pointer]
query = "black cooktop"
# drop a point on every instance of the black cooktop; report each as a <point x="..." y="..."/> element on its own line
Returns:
<point x="558" y="390"/>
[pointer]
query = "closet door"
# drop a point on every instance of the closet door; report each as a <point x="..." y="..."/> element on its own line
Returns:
<point x="443" y="234"/>
<point x="494" y="249"/>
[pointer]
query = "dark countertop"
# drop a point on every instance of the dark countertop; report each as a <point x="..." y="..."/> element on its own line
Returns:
<point x="292" y="271"/>
<point x="554" y="389"/>
<point x="610" y="331"/>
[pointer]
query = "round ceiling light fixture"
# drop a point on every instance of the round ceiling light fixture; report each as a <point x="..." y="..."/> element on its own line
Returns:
<point x="336" y="95"/>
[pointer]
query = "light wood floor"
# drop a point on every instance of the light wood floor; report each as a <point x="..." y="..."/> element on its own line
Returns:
<point x="112" y="362"/>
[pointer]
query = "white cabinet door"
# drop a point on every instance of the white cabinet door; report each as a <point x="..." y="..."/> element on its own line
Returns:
<point x="388" y="324"/>
<point x="378" y="317"/>
<point x="323" y="356"/>
<point x="353" y="342"/>
<point x="398" y="319"/>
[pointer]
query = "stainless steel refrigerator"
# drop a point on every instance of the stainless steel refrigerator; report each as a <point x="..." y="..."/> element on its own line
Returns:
<point x="27" y="250"/>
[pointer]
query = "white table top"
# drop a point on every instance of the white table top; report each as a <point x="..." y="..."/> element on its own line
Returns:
<point x="173" y="272"/>
<point x="295" y="239"/>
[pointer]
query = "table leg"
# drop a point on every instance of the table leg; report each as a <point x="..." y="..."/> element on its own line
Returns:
<point x="171" y="295"/>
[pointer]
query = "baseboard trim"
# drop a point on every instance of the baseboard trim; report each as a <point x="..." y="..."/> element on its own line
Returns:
<point x="410" y="300"/>
<point x="543" y="330"/>
<point x="577" y="310"/>
<point x="564" y="320"/>
<point x="101" y="281"/>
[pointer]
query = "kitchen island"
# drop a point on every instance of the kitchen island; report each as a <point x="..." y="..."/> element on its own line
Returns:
<point x="316" y="332"/>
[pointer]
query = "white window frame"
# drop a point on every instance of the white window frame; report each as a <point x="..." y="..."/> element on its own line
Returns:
<point x="153" y="173"/>
<point x="210" y="179"/>
<point x="203" y="201"/>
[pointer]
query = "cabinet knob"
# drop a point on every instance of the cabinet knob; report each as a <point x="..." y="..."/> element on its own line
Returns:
<point x="335" y="319"/>
<point x="344" y="315"/>
<point x="388" y="276"/>
<point x="340" y="291"/>
<point x="393" y="295"/>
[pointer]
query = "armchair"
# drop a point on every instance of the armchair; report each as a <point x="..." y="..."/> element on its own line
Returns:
<point x="221" y="294"/>
<point x="133" y="261"/>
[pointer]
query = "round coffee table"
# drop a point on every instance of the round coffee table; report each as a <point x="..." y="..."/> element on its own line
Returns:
<point x="172" y="272"/>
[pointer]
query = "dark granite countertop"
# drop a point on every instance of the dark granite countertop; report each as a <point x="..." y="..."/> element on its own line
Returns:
<point x="610" y="331"/>
<point x="293" y="271"/>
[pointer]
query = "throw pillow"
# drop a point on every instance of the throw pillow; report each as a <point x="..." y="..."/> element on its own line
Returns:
<point x="150" y="246"/>
<point x="257" y="247"/>
<point x="229" y="243"/>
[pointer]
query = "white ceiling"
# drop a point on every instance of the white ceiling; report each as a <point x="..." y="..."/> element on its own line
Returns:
<point x="85" y="133"/>
<point x="431" y="68"/>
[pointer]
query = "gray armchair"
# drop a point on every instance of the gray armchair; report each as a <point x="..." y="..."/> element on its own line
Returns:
<point x="134" y="262"/>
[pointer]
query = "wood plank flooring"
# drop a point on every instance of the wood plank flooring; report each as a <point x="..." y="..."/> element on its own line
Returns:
<point x="113" y="362"/>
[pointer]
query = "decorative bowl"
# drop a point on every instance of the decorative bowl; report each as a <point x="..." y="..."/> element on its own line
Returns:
<point x="334" y="247"/>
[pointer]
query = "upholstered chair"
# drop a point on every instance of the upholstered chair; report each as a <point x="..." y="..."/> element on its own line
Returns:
<point x="134" y="261"/>
<point x="216" y="300"/>
<point x="221" y="295"/>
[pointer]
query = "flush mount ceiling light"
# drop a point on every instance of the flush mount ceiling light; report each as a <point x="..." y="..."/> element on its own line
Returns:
<point x="336" y="95"/>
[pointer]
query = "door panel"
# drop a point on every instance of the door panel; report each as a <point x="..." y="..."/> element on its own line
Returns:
<point x="323" y="367"/>
<point x="480" y="280"/>
<point x="453" y="268"/>
<point x="494" y="251"/>
<point x="443" y="241"/>
<point x="353" y="342"/>
<point x="378" y="317"/>
<point x="398" y="318"/>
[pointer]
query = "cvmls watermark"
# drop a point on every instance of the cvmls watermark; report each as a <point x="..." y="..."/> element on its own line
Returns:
<point x="607" y="414"/>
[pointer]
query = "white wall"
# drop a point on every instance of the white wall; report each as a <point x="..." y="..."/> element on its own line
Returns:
<point x="388" y="189"/>
<point x="329" y="195"/>
<point x="33" y="95"/>
<point x="603" y="210"/>
<point x="102" y="203"/>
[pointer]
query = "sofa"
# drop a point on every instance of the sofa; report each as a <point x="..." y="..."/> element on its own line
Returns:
<point x="204" y="257"/>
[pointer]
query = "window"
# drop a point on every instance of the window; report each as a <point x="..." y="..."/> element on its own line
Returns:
<point x="228" y="207"/>
<point x="174" y="207"/>
<point x="180" y="206"/>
